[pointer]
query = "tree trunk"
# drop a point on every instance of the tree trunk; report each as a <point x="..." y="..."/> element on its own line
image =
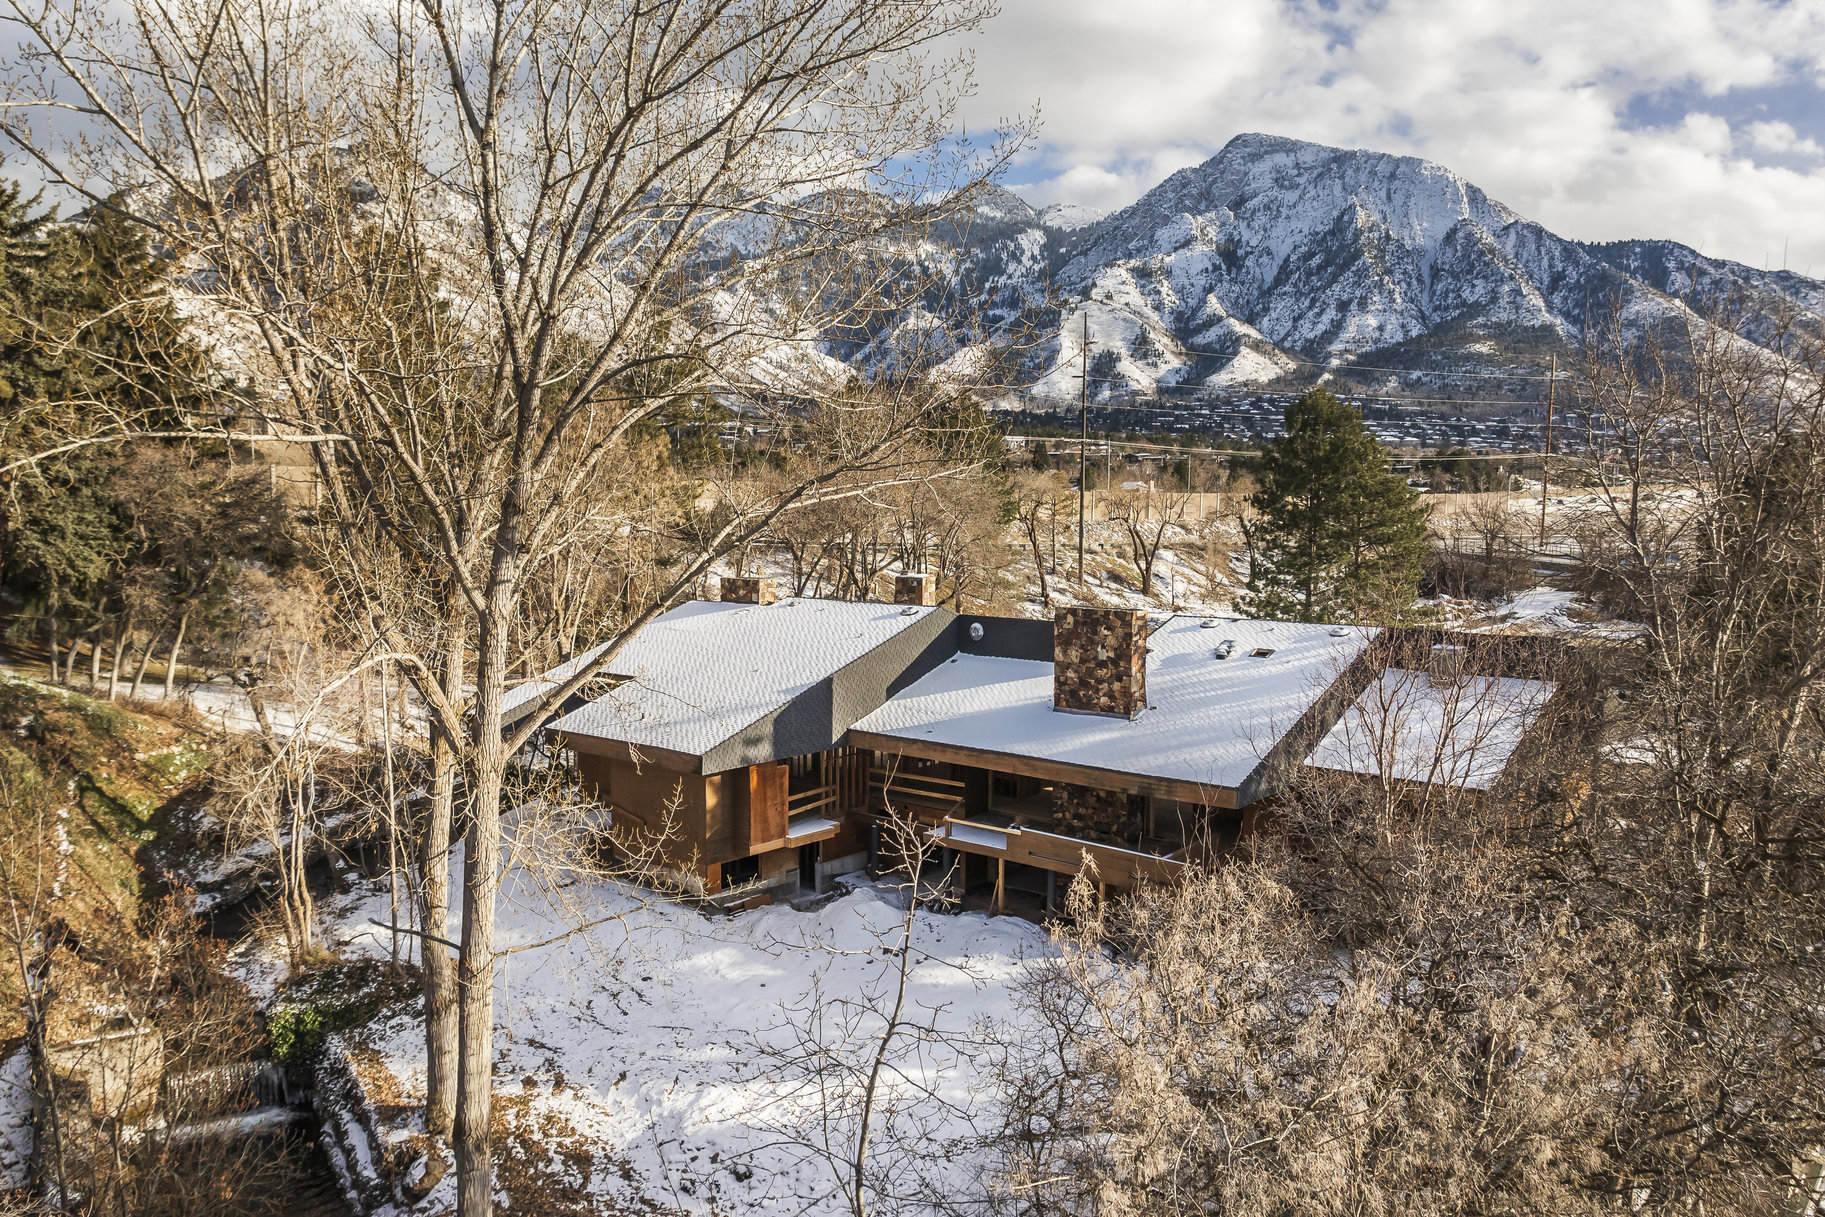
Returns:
<point x="482" y="872"/>
<point x="392" y="798"/>
<point x="177" y="646"/>
<point x="438" y="969"/>
<point x="481" y="887"/>
<point x="121" y="633"/>
<point x="145" y="658"/>
<point x="50" y="622"/>
<point x="95" y="660"/>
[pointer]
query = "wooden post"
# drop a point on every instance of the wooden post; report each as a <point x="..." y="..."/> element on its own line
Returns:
<point x="1001" y="879"/>
<point x="1051" y="891"/>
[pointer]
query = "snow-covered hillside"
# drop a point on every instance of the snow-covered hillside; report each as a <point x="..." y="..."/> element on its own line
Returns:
<point x="1276" y="249"/>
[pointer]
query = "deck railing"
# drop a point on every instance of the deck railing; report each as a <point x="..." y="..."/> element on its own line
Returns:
<point x="816" y="798"/>
<point x="913" y="790"/>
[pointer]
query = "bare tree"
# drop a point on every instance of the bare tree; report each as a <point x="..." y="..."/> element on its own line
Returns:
<point x="1035" y="506"/>
<point x="861" y="1080"/>
<point x="465" y="251"/>
<point x="1146" y="518"/>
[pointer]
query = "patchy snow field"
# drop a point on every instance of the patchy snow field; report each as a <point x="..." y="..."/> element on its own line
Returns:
<point x="656" y="1058"/>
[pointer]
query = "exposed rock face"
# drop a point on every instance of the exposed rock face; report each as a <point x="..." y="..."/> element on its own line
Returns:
<point x="1099" y="661"/>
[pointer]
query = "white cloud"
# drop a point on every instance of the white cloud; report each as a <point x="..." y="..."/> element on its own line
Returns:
<point x="1782" y="140"/>
<point x="1530" y="99"/>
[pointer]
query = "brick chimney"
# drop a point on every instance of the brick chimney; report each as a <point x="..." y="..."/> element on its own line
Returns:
<point x="915" y="589"/>
<point x="757" y="590"/>
<point x="1099" y="661"/>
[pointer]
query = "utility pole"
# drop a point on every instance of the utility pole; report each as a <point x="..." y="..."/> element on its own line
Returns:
<point x="1552" y="382"/>
<point x="1083" y="447"/>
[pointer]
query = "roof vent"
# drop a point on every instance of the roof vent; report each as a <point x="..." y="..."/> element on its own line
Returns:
<point x="1209" y="623"/>
<point x="910" y="610"/>
<point x="975" y="631"/>
<point x="1226" y="648"/>
<point x="1340" y="631"/>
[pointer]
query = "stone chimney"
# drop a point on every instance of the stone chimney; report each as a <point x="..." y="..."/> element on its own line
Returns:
<point x="915" y="589"/>
<point x="757" y="590"/>
<point x="1445" y="663"/>
<point x="1099" y="661"/>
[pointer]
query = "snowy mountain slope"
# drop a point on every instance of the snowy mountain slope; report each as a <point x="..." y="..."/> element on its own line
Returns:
<point x="1276" y="248"/>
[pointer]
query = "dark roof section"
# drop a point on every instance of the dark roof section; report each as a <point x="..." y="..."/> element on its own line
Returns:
<point x="820" y="716"/>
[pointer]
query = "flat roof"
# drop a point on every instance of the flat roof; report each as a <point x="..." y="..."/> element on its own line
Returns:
<point x="1413" y="728"/>
<point x="706" y="670"/>
<point x="1208" y="721"/>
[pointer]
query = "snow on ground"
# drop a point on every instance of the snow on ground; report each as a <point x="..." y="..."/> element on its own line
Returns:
<point x="1551" y="610"/>
<point x="629" y="1063"/>
<point x="1550" y="607"/>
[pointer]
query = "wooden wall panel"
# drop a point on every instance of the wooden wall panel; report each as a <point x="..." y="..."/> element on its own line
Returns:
<point x="767" y="814"/>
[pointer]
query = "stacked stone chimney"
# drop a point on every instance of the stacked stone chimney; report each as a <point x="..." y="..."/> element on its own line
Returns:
<point x="1099" y="661"/>
<point x="1445" y="663"/>
<point x="754" y="590"/>
<point x="915" y="589"/>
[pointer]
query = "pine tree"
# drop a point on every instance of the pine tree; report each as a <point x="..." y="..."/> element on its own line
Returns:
<point x="87" y="336"/>
<point x="1337" y="537"/>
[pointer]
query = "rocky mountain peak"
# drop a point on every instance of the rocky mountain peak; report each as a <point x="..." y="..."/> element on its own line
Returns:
<point x="1277" y="247"/>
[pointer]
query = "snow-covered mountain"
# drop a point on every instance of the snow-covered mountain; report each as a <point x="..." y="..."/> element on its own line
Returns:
<point x="1276" y="251"/>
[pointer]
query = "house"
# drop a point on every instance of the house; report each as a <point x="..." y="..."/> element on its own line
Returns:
<point x="783" y="732"/>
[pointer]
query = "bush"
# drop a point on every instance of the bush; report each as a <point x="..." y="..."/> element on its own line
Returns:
<point x="298" y="1033"/>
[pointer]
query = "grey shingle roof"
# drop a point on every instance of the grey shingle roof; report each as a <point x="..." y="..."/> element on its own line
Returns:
<point x="708" y="672"/>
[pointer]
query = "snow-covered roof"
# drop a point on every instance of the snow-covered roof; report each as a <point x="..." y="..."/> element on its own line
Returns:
<point x="1208" y="721"/>
<point x="704" y="671"/>
<point x="1410" y="727"/>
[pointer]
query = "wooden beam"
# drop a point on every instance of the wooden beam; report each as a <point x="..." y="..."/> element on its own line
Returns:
<point x="1001" y="881"/>
<point x="1052" y="771"/>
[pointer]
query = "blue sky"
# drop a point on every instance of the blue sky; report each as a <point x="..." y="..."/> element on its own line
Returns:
<point x="1694" y="120"/>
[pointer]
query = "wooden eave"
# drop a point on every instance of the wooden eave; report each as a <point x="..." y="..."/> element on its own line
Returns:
<point x="1049" y="770"/>
<point x="621" y="750"/>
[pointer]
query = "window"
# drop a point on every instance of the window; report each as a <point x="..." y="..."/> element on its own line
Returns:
<point x="1262" y="652"/>
<point x="742" y="870"/>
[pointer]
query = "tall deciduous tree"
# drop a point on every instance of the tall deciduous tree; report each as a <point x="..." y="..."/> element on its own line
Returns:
<point x="458" y="244"/>
<point x="1336" y="535"/>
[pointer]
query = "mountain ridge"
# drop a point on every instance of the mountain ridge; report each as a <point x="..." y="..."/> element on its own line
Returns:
<point x="1277" y="251"/>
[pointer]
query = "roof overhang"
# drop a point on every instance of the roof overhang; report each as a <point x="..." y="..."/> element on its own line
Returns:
<point x="620" y="750"/>
<point x="1048" y="770"/>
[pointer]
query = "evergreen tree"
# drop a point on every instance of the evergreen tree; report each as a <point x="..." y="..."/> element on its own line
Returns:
<point x="1336" y="535"/>
<point x="87" y="337"/>
<point x="1040" y="456"/>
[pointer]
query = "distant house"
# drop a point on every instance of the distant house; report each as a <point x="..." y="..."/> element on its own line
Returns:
<point x="784" y="732"/>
